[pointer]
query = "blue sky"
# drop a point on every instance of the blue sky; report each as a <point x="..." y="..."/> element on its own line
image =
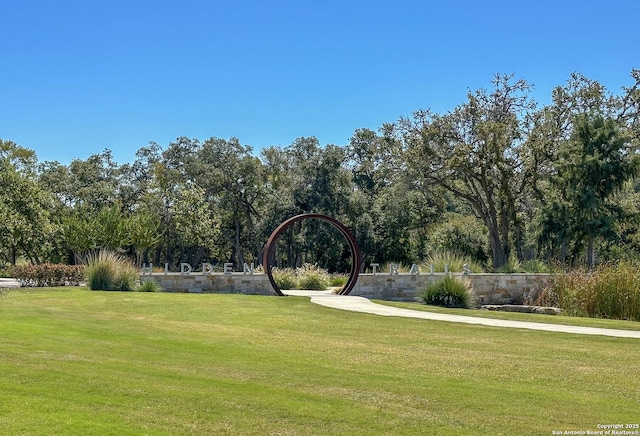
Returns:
<point x="81" y="76"/>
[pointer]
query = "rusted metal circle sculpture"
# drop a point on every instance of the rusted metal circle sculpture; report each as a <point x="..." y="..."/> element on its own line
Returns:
<point x="269" y="249"/>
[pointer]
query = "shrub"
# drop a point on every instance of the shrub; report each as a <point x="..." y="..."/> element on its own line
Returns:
<point x="48" y="274"/>
<point x="513" y="265"/>
<point x="449" y="292"/>
<point x="312" y="278"/>
<point x="126" y="279"/>
<point x="337" y="280"/>
<point x="148" y="286"/>
<point x="463" y="234"/>
<point x="455" y="261"/>
<point x="308" y="277"/>
<point x="285" y="278"/>
<point x="537" y="266"/>
<point x="108" y="271"/>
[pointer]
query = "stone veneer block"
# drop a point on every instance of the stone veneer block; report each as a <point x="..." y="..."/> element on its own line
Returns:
<point x="487" y="288"/>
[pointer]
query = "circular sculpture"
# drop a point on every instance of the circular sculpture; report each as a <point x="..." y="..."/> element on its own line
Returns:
<point x="353" y="246"/>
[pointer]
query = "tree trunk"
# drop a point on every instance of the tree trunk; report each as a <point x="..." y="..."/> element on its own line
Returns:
<point x="498" y="254"/>
<point x="239" y="250"/>
<point x="590" y="252"/>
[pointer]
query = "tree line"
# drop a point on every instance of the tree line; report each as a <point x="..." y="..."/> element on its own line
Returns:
<point x="499" y="177"/>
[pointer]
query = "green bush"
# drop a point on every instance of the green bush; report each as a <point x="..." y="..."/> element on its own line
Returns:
<point x="337" y="280"/>
<point x="313" y="281"/>
<point x="48" y="274"/>
<point x="449" y="292"/>
<point x="285" y="278"/>
<point x="108" y="271"/>
<point x="126" y="278"/>
<point x="463" y="234"/>
<point x="100" y="276"/>
<point x="610" y="291"/>
<point x="308" y="277"/>
<point x="311" y="277"/>
<point x="455" y="261"/>
<point x="513" y="265"/>
<point x="537" y="266"/>
<point x="149" y="286"/>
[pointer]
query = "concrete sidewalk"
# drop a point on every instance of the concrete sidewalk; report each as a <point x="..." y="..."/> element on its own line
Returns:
<point x="361" y="304"/>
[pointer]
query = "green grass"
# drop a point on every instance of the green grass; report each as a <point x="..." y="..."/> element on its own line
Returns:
<point x="80" y="362"/>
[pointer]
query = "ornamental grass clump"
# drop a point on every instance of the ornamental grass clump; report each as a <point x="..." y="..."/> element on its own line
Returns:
<point x="308" y="277"/>
<point x="610" y="291"/>
<point x="453" y="261"/>
<point x="148" y="286"/>
<point x="311" y="277"/>
<point x="449" y="292"/>
<point x="285" y="278"/>
<point x="109" y="271"/>
<point x="338" y="280"/>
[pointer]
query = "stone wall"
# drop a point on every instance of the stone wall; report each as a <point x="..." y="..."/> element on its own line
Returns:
<point x="488" y="288"/>
<point x="236" y="283"/>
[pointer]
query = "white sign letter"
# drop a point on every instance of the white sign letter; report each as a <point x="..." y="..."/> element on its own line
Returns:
<point x="207" y="268"/>
<point x="147" y="269"/>
<point x="227" y="268"/>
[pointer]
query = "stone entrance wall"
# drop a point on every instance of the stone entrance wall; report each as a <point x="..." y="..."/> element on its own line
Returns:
<point x="237" y="283"/>
<point x="488" y="288"/>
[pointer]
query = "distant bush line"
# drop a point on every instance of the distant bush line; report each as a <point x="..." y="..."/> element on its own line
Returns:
<point x="48" y="274"/>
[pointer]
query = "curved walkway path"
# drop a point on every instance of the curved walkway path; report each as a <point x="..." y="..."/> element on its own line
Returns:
<point x="361" y="304"/>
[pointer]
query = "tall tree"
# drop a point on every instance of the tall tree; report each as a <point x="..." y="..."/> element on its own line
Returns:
<point x="25" y="224"/>
<point x="390" y="209"/>
<point x="476" y="152"/>
<point x="553" y="137"/>
<point x="592" y="167"/>
<point x="306" y="177"/>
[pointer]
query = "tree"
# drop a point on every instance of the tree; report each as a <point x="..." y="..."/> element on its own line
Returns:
<point x="306" y="177"/>
<point x="461" y="234"/>
<point x="25" y="225"/>
<point x="477" y="153"/>
<point x="552" y="135"/>
<point x="144" y="233"/>
<point x="85" y="232"/>
<point x="592" y="167"/>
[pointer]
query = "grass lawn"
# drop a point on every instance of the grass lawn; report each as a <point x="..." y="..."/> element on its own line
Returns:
<point x="74" y="361"/>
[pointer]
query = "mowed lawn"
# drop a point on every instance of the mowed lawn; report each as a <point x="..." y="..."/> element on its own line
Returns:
<point x="74" y="361"/>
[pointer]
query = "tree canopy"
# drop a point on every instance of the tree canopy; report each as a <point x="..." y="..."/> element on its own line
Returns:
<point x="496" y="178"/>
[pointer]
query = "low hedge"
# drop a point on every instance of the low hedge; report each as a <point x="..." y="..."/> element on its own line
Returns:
<point x="48" y="274"/>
